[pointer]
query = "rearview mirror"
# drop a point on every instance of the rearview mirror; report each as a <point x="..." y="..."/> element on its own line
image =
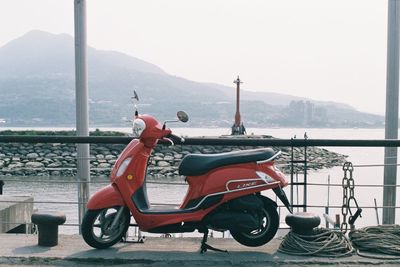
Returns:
<point x="182" y="116"/>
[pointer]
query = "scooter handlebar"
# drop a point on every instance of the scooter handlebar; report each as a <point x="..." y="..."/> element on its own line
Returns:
<point x="168" y="140"/>
<point x="176" y="139"/>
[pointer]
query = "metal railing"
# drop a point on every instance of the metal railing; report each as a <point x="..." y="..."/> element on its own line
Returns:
<point x="223" y="141"/>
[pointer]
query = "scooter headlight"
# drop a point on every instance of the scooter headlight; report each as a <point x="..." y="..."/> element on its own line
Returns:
<point x="138" y="127"/>
<point x="123" y="166"/>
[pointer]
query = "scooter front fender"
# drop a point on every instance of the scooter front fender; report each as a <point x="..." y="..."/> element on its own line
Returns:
<point x="108" y="196"/>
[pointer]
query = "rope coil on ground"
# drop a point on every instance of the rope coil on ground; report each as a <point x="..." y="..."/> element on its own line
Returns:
<point x="321" y="242"/>
<point x="374" y="240"/>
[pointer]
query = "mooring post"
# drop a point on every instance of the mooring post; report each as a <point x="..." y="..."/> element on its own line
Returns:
<point x="82" y="113"/>
<point x="392" y="112"/>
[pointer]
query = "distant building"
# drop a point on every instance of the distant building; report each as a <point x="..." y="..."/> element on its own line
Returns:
<point x="305" y="113"/>
<point x="308" y="113"/>
<point x="320" y="116"/>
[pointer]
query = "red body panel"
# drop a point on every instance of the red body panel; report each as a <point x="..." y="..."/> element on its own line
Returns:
<point x="108" y="196"/>
<point x="221" y="179"/>
<point x="216" y="181"/>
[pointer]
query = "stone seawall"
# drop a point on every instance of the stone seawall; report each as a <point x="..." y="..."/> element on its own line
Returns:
<point x="60" y="159"/>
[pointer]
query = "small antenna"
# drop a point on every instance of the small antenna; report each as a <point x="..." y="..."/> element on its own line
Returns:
<point x="135" y="96"/>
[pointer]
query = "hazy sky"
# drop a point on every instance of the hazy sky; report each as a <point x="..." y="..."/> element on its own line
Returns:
<point x="326" y="50"/>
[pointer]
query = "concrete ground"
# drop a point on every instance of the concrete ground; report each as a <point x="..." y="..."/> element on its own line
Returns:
<point x="22" y="250"/>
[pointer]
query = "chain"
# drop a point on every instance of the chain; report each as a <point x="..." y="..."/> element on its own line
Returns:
<point x="348" y="196"/>
<point x="348" y="170"/>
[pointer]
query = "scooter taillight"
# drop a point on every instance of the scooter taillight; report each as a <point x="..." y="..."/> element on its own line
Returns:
<point x="276" y="174"/>
<point x="283" y="179"/>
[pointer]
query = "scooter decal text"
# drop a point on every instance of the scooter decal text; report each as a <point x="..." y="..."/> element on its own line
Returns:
<point x="246" y="185"/>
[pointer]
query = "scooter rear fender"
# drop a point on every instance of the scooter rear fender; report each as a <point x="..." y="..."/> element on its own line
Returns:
<point x="108" y="196"/>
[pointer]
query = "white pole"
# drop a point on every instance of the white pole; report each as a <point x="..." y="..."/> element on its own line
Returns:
<point x="82" y="112"/>
<point x="392" y="112"/>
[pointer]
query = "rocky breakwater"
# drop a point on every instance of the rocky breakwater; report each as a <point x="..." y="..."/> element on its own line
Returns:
<point x="60" y="159"/>
<point x="54" y="159"/>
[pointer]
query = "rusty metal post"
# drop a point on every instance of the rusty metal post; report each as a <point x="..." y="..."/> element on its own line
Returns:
<point x="237" y="114"/>
<point x="238" y="128"/>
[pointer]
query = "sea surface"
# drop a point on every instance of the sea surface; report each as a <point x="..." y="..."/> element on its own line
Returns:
<point x="62" y="191"/>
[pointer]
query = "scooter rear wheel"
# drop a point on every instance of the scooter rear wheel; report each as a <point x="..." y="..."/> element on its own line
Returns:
<point x="261" y="236"/>
<point x="96" y="227"/>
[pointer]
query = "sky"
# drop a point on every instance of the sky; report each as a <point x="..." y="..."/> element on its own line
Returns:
<point x="332" y="50"/>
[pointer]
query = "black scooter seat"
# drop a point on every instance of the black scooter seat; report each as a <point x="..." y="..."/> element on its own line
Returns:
<point x="199" y="164"/>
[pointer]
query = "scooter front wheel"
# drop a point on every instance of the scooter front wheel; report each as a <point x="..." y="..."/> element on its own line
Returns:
<point x="105" y="227"/>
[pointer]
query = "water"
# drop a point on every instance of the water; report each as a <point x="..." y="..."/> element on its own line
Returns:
<point x="62" y="192"/>
<point x="48" y="189"/>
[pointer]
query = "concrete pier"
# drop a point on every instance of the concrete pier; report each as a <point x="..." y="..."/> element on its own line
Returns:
<point x="21" y="250"/>
<point x="14" y="212"/>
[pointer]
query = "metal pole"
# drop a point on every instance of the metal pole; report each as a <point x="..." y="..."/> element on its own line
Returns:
<point x="305" y="180"/>
<point x="237" y="114"/>
<point x="82" y="113"/>
<point x="392" y="111"/>
<point x="292" y="176"/>
<point x="1" y="187"/>
<point x="327" y="203"/>
<point x="238" y="128"/>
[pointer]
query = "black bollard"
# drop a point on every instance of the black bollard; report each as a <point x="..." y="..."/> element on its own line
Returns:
<point x="1" y="186"/>
<point x="48" y="227"/>
<point x="303" y="222"/>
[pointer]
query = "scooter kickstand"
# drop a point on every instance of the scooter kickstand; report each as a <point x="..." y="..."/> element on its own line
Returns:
<point x="204" y="246"/>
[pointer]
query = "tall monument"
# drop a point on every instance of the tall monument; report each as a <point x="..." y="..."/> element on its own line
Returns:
<point x="238" y="128"/>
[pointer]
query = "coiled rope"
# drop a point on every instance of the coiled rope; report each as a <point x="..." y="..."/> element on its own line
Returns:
<point x="374" y="240"/>
<point x="321" y="242"/>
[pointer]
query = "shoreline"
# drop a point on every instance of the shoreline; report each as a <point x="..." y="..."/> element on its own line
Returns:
<point x="22" y="159"/>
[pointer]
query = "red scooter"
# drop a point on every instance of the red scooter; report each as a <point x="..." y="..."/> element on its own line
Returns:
<point x="224" y="193"/>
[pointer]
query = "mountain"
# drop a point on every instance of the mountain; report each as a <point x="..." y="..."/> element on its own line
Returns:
<point x="38" y="88"/>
